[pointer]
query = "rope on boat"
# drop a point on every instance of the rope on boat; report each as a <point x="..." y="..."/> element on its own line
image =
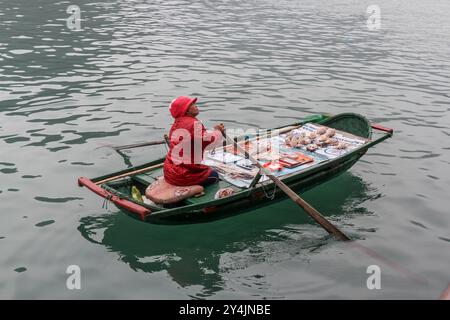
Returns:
<point x="105" y="201"/>
<point x="266" y="191"/>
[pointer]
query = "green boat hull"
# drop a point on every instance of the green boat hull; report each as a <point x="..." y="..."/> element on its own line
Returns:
<point x="246" y="199"/>
<point x="255" y="200"/>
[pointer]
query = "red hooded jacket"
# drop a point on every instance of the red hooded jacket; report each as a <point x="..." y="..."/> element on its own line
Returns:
<point x="180" y="167"/>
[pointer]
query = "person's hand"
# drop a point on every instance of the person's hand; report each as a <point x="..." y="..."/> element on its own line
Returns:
<point x="220" y="127"/>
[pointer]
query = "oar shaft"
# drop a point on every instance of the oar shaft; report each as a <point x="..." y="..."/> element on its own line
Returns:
<point x="167" y="140"/>
<point x="130" y="173"/>
<point x="136" y="145"/>
<point x="313" y="213"/>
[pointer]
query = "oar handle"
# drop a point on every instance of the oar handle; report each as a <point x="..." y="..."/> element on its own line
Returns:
<point x="167" y="140"/>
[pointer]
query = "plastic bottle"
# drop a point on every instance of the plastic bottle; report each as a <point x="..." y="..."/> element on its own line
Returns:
<point x="136" y="194"/>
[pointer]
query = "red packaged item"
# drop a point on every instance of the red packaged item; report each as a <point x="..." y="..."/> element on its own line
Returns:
<point x="295" y="160"/>
<point x="273" y="166"/>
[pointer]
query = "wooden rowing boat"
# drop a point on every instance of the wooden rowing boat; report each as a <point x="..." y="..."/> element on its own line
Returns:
<point x="117" y="187"/>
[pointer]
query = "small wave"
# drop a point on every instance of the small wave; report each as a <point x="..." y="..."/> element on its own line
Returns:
<point x="7" y="164"/>
<point x="44" y="223"/>
<point x="445" y="239"/>
<point x="8" y="170"/>
<point x="30" y="176"/>
<point x="57" y="200"/>
<point x="83" y="163"/>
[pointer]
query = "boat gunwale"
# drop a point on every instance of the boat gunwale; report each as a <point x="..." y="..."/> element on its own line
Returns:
<point x="244" y="193"/>
<point x="308" y="173"/>
<point x="161" y="160"/>
<point x="311" y="171"/>
<point x="164" y="215"/>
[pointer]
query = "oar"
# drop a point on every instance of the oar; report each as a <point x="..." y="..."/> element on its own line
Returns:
<point x="313" y="213"/>
<point x="330" y="228"/>
<point x="136" y="145"/>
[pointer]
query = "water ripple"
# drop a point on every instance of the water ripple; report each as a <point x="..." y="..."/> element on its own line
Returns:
<point x="57" y="200"/>
<point x="255" y="63"/>
<point x="44" y="223"/>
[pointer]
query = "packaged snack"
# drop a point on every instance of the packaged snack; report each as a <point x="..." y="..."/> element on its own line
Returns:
<point x="295" y="160"/>
<point x="273" y="166"/>
<point x="245" y="164"/>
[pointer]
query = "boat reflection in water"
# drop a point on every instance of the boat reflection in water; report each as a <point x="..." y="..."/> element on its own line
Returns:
<point x="203" y="254"/>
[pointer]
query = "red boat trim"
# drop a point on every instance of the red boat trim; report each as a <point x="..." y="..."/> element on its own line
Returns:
<point x="128" y="205"/>
<point x="380" y="127"/>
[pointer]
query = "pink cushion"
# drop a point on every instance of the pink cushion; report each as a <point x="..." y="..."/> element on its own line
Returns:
<point x="163" y="192"/>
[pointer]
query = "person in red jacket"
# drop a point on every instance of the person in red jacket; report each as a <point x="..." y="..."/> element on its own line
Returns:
<point x="188" y="141"/>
